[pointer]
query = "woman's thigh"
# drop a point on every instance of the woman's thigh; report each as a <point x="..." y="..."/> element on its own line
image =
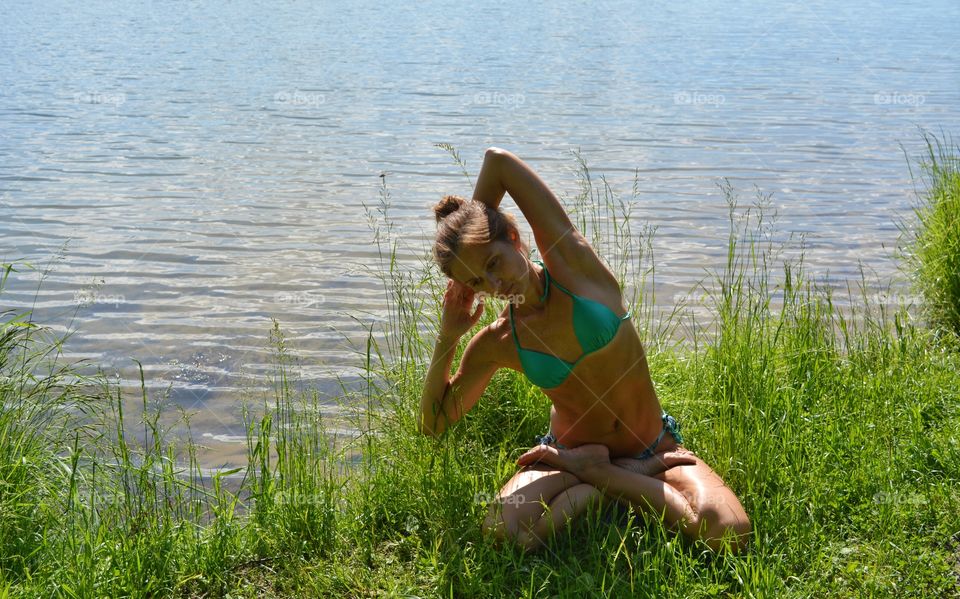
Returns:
<point x="714" y="503"/>
<point x="704" y="489"/>
<point x="521" y="500"/>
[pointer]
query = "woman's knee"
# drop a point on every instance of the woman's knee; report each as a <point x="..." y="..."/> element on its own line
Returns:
<point x="722" y="526"/>
<point x="509" y="517"/>
<point x="715" y="514"/>
<point x="493" y="526"/>
<point x="504" y="527"/>
<point x="531" y="533"/>
<point x="523" y="495"/>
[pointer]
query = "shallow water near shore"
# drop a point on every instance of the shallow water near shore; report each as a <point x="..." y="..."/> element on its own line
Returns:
<point x="208" y="167"/>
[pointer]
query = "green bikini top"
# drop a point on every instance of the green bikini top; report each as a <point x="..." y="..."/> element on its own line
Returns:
<point x="594" y="324"/>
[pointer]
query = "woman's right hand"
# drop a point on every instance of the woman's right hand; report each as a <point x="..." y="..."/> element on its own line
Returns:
<point x="457" y="318"/>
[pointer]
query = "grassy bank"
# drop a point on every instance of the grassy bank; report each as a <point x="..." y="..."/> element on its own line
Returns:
<point x="838" y="428"/>
<point x="932" y="244"/>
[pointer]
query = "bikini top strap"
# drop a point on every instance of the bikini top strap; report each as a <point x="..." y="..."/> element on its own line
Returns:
<point x="546" y="283"/>
<point x="513" y="327"/>
<point x="551" y="281"/>
<point x="546" y="292"/>
<point x="565" y="290"/>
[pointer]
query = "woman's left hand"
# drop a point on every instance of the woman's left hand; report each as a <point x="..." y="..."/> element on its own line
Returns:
<point x="576" y="461"/>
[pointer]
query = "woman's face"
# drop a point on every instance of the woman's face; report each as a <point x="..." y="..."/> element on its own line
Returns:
<point x="495" y="268"/>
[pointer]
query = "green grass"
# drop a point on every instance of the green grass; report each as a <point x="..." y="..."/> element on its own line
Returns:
<point x="932" y="248"/>
<point x="838" y="428"/>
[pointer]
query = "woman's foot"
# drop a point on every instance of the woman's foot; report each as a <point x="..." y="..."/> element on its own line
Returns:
<point x="657" y="463"/>
<point x="576" y="460"/>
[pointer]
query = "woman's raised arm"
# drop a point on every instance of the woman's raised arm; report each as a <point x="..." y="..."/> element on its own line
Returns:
<point x="444" y="399"/>
<point x="503" y="172"/>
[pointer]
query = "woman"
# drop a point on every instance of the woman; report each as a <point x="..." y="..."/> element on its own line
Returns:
<point x="566" y="328"/>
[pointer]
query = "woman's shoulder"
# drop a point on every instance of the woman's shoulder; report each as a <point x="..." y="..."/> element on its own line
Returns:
<point x="584" y="273"/>
<point x="496" y="341"/>
<point x="498" y="332"/>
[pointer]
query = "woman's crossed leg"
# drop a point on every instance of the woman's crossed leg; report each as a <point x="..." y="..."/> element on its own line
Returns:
<point x="541" y="499"/>
<point x="536" y="503"/>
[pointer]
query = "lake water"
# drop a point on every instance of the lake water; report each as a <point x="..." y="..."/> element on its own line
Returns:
<point x="208" y="164"/>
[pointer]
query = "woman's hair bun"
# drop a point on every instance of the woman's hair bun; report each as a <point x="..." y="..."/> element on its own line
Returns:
<point x="448" y="205"/>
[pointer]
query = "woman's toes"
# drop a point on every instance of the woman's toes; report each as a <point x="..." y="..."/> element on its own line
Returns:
<point x="677" y="458"/>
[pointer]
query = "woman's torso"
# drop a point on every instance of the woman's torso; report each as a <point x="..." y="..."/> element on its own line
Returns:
<point x="609" y="396"/>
